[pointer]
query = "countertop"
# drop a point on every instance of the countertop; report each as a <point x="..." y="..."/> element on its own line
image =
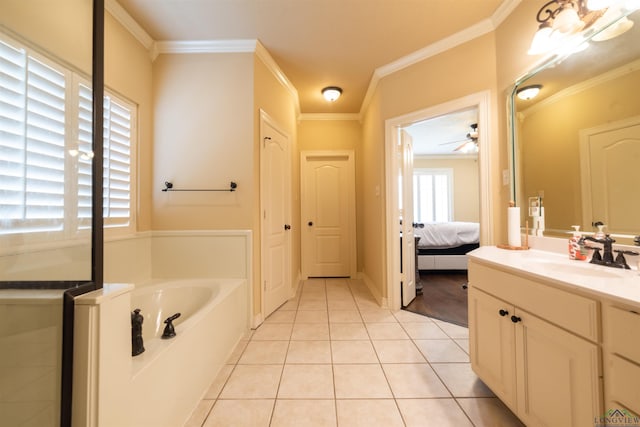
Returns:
<point x="611" y="283"/>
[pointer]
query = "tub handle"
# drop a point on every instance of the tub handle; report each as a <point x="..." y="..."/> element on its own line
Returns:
<point x="169" y="330"/>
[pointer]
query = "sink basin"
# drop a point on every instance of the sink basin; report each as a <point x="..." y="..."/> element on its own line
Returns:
<point x="579" y="268"/>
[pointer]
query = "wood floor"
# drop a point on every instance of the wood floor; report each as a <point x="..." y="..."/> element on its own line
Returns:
<point x="443" y="296"/>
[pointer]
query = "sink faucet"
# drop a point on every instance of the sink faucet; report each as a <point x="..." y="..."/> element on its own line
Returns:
<point x="607" y="253"/>
<point x="607" y="250"/>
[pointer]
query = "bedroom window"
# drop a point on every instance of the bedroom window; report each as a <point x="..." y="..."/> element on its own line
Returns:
<point x="46" y="156"/>
<point x="432" y="195"/>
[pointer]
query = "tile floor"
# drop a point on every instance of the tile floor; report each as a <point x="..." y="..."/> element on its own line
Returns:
<point x="332" y="357"/>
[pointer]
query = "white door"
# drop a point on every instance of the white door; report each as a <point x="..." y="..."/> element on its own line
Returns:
<point x="406" y="214"/>
<point x="610" y="166"/>
<point x="328" y="214"/>
<point x="275" y="208"/>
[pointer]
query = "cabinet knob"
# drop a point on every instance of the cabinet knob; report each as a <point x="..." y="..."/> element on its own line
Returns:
<point x="310" y="224"/>
<point x="503" y="312"/>
<point x="515" y="319"/>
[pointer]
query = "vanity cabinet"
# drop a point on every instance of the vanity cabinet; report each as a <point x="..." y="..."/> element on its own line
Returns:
<point x="621" y="357"/>
<point x="536" y="347"/>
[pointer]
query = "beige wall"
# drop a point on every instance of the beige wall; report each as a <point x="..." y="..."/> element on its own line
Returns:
<point x="466" y="69"/>
<point x="64" y="29"/>
<point x="128" y="72"/>
<point x="466" y="185"/>
<point x="277" y="101"/>
<point x="203" y="138"/>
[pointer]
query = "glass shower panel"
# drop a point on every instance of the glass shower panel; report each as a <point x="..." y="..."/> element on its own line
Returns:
<point x="46" y="57"/>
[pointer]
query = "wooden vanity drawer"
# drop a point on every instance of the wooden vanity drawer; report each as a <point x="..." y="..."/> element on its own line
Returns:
<point x="622" y="326"/>
<point x="623" y="378"/>
<point x="572" y="312"/>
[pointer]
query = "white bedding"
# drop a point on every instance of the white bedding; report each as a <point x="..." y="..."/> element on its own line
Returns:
<point x="440" y="235"/>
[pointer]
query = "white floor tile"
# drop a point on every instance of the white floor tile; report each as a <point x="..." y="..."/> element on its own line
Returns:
<point x="368" y="413"/>
<point x="360" y="382"/>
<point x="309" y="352"/>
<point x="296" y="413"/>
<point x="398" y="351"/>
<point x="489" y="412"/>
<point x="306" y="382"/>
<point x="252" y="382"/>
<point x="240" y="413"/>
<point x="353" y="352"/>
<point x="264" y="353"/>
<point x="437" y="351"/>
<point x="432" y="413"/>
<point x="416" y="380"/>
<point x="461" y="380"/>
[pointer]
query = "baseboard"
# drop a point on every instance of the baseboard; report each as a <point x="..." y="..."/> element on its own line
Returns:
<point x="382" y="301"/>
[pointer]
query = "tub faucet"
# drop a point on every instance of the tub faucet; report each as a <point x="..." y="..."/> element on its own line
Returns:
<point x="137" y="345"/>
<point x="169" y="330"/>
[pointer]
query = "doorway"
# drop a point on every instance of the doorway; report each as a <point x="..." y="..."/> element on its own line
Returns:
<point x="480" y="101"/>
<point x="328" y="213"/>
<point x="275" y="208"/>
<point x="446" y="211"/>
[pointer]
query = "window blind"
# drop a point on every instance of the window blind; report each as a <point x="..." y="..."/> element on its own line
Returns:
<point x="46" y="147"/>
<point x="32" y="141"/>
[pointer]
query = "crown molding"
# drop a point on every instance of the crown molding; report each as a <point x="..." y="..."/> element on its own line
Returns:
<point x="123" y="17"/>
<point x="207" y="46"/>
<point x="503" y="11"/>
<point x="582" y="86"/>
<point x="481" y="28"/>
<point x="263" y="54"/>
<point x="329" y="116"/>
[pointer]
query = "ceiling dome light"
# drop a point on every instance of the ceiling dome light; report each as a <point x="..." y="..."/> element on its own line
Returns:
<point x="331" y="93"/>
<point x="528" y="92"/>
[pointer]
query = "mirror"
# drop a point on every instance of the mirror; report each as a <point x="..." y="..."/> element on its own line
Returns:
<point x="577" y="144"/>
<point x="46" y="155"/>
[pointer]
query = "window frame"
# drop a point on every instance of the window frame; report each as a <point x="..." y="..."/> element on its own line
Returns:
<point x="71" y="230"/>
<point x="433" y="172"/>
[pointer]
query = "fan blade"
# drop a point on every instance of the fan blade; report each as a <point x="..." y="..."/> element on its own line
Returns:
<point x="454" y="142"/>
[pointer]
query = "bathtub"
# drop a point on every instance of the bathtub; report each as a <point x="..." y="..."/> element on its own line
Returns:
<point x="172" y="375"/>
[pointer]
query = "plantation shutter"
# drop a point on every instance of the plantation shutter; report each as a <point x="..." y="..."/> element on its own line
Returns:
<point x="32" y="142"/>
<point x="118" y="125"/>
<point x="85" y="154"/>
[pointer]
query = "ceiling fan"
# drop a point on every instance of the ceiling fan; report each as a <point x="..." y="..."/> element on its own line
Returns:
<point x="470" y="143"/>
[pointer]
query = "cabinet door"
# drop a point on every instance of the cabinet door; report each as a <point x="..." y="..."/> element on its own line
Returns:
<point x="492" y="344"/>
<point x="558" y="375"/>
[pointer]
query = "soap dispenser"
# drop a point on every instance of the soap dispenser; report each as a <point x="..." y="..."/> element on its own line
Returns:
<point x="576" y="247"/>
<point x="600" y="233"/>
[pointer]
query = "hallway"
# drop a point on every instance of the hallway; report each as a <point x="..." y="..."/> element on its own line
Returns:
<point x="332" y="357"/>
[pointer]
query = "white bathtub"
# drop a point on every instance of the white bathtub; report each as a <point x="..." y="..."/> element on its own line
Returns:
<point x="172" y="375"/>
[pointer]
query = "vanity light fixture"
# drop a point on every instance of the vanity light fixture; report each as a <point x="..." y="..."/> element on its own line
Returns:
<point x="561" y="18"/>
<point x="528" y="92"/>
<point x="331" y="93"/>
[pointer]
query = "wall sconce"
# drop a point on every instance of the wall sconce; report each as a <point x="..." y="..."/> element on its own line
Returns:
<point x="528" y="92"/>
<point x="331" y="93"/>
<point x="559" y="19"/>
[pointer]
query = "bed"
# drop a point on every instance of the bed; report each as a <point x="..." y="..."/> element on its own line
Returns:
<point x="444" y="245"/>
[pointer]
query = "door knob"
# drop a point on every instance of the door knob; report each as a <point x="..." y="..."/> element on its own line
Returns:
<point x="287" y="227"/>
<point x="310" y="223"/>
